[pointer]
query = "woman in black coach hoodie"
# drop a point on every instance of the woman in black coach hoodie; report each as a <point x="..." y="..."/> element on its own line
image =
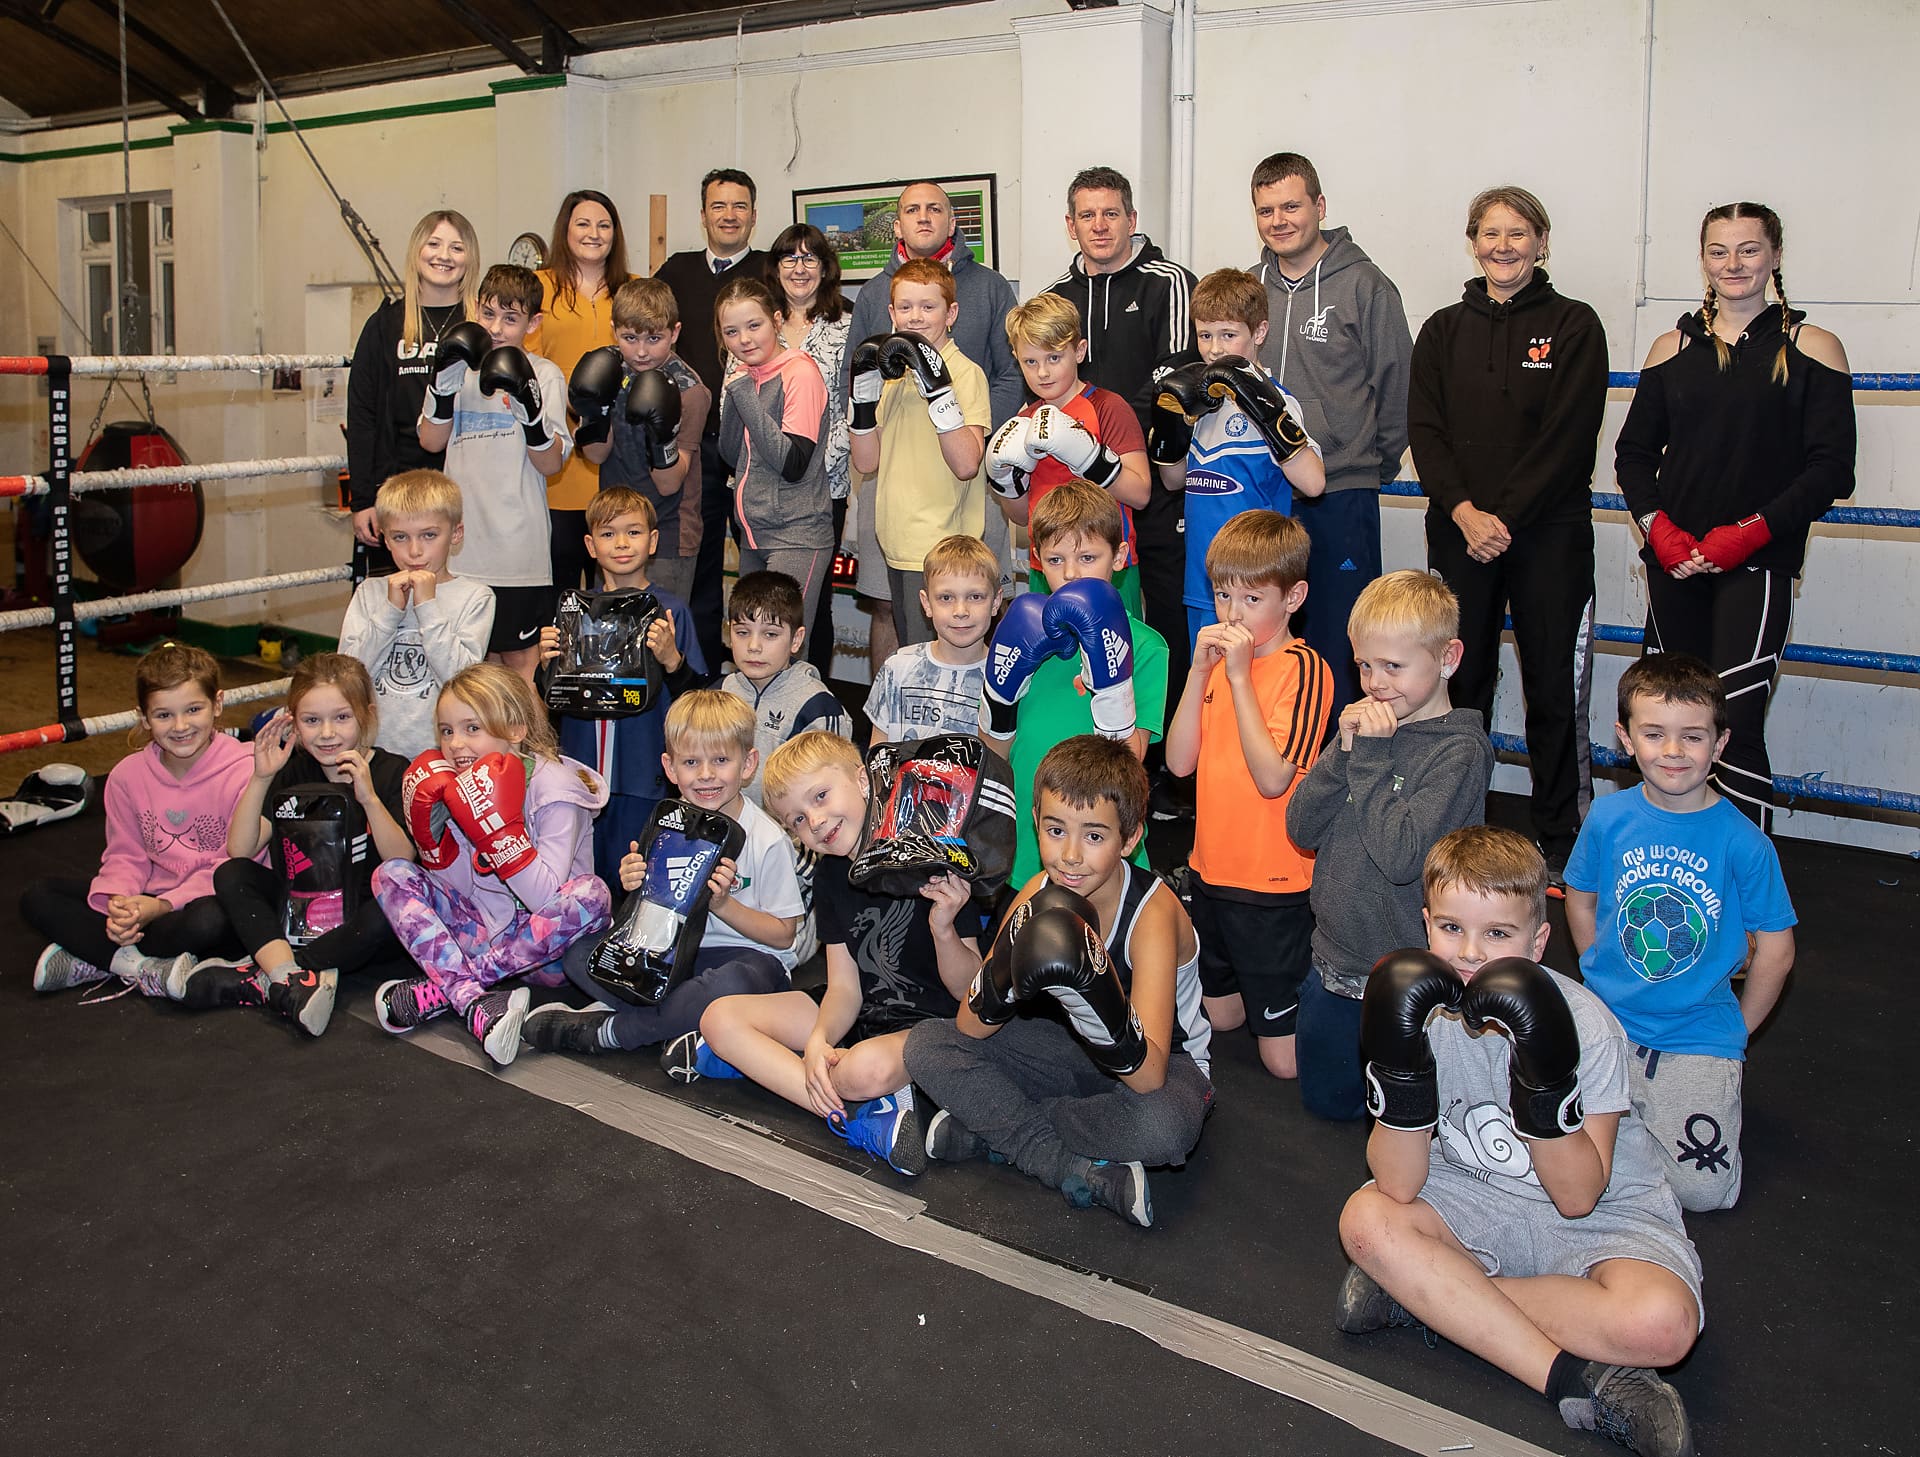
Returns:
<point x="1506" y="394"/>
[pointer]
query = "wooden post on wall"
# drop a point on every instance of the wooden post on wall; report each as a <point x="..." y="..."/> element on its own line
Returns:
<point x="656" y="231"/>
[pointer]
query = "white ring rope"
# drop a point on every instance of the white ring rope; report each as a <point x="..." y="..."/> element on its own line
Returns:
<point x="99" y="364"/>
<point x="176" y="597"/>
<point x="109" y="723"/>
<point x="168" y="475"/>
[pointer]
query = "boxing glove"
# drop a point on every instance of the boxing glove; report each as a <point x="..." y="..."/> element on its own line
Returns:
<point x="507" y="371"/>
<point x="991" y="995"/>
<point x="1179" y="401"/>
<point x="1671" y="546"/>
<point x="1404" y="989"/>
<point x="1021" y="643"/>
<point x="1090" y="612"/>
<point x="423" y="792"/>
<point x="1060" y="954"/>
<point x="653" y="406"/>
<point x="1543" y="1071"/>
<point x="1058" y="434"/>
<point x="910" y="354"/>
<point x="865" y="385"/>
<point x="591" y="391"/>
<point x="488" y="804"/>
<point x="1729" y="546"/>
<point x="461" y="349"/>
<point x="1009" y="462"/>
<point x="1247" y="385"/>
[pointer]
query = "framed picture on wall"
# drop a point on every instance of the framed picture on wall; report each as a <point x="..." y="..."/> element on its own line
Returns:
<point x="858" y="221"/>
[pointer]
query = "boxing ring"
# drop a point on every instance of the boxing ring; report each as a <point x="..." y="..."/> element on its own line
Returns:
<point x="61" y="483"/>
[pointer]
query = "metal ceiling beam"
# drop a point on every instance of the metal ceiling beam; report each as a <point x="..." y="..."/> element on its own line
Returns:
<point x="556" y="41"/>
<point x="136" y="80"/>
<point x="474" y="21"/>
<point x="217" y="98"/>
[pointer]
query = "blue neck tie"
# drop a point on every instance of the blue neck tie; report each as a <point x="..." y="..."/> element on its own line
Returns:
<point x="721" y="265"/>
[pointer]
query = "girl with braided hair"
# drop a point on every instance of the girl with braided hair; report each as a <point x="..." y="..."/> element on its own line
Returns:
<point x="1740" y="436"/>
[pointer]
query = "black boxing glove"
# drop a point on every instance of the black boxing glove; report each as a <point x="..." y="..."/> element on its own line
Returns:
<point x="507" y="371"/>
<point x="1259" y="397"/>
<point x="461" y="349"/>
<point x="591" y="391"/>
<point x="865" y="383"/>
<point x="653" y="405"/>
<point x="1180" y="398"/>
<point x="1404" y="989"/>
<point x="1543" y="1073"/>
<point x="1060" y="953"/>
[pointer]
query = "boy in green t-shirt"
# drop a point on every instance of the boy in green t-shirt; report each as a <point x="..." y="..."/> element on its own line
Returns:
<point x="1089" y="678"/>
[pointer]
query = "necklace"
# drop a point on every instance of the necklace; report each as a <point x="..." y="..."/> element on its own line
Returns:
<point x="447" y="313"/>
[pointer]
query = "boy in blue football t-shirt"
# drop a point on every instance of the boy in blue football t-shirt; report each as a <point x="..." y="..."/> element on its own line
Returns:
<point x="1670" y="890"/>
<point x="1225" y="433"/>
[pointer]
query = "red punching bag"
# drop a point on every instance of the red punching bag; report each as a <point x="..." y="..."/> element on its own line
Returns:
<point x="136" y="537"/>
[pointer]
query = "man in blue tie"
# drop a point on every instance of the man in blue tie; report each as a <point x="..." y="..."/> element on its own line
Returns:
<point x="727" y="197"/>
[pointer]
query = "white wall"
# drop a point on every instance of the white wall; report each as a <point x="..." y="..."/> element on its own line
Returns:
<point x="1407" y="106"/>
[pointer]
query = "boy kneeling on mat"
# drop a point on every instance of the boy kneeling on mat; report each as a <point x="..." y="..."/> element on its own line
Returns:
<point x="1557" y="1254"/>
<point x="893" y="959"/>
<point x="1097" y="945"/>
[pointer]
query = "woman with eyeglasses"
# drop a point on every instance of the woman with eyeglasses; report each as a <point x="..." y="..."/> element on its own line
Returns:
<point x="804" y="270"/>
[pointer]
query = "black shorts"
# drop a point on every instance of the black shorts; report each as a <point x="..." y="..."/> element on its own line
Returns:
<point x="518" y="615"/>
<point x="1261" y="951"/>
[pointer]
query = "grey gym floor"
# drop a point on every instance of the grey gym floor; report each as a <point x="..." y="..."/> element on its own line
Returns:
<point x="217" y="1237"/>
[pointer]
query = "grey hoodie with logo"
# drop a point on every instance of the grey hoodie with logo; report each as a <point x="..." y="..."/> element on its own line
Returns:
<point x="1339" y="343"/>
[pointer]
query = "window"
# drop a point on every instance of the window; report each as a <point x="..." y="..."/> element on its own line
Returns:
<point x="125" y="273"/>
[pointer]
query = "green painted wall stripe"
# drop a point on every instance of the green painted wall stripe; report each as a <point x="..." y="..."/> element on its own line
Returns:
<point x="316" y="123"/>
<point x="526" y="83"/>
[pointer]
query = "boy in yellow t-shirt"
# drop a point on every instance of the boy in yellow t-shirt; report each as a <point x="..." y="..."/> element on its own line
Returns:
<point x="926" y="439"/>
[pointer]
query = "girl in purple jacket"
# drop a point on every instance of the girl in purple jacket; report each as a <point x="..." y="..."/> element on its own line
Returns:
<point x="505" y="882"/>
<point x="150" y="911"/>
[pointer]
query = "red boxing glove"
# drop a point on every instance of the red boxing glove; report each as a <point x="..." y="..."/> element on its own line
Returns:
<point x="1728" y="546"/>
<point x="423" y="792"/>
<point x="1670" y="544"/>
<point x="488" y="804"/>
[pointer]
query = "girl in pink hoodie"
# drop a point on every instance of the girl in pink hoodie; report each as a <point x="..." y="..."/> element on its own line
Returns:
<point x="505" y="879"/>
<point x="151" y="909"/>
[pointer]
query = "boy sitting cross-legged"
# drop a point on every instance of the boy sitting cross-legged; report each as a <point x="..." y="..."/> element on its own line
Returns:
<point x="753" y="915"/>
<point x="1084" y="1111"/>
<point x="892" y="962"/>
<point x="1519" y="1207"/>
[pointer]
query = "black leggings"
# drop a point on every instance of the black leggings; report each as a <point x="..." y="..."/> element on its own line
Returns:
<point x="254" y="899"/>
<point x="57" y="908"/>
<point x="1738" y="622"/>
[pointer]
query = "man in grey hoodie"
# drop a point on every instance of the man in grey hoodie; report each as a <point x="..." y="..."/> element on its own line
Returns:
<point x="924" y="227"/>
<point x="1338" y="341"/>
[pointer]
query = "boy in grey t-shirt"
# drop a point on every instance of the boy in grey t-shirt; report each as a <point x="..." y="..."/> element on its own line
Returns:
<point x="1519" y="1207"/>
<point x="934" y="688"/>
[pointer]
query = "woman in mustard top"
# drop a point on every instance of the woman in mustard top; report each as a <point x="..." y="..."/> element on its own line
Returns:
<point x="586" y="264"/>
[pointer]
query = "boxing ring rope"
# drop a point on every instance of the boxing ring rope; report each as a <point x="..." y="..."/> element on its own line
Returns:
<point x="174" y="597"/>
<point x="107" y="723"/>
<point x="80" y="482"/>
<point x="82" y="366"/>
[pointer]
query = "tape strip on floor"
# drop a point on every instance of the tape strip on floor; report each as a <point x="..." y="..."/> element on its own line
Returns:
<point x="732" y="1147"/>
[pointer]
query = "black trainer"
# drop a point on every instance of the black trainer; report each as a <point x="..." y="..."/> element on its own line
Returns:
<point x="1632" y="1405"/>
<point x="305" y="998"/>
<point x="1119" y="1187"/>
<point x="216" y="982"/>
<point x="558" y="1028"/>
<point x="1362" y="1306"/>
<point x="951" y="1141"/>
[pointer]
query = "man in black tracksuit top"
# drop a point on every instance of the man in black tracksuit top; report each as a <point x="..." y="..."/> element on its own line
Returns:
<point x="1503" y="409"/>
<point x="1133" y="310"/>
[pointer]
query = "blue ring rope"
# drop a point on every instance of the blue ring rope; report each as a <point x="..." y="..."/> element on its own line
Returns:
<point x="1789" y="788"/>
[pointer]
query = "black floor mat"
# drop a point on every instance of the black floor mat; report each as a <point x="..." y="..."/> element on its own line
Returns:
<point x="219" y="1236"/>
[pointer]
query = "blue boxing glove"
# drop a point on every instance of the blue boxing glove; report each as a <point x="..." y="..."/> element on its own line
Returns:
<point x="651" y="946"/>
<point x="1021" y="643"/>
<point x="1090" y="612"/>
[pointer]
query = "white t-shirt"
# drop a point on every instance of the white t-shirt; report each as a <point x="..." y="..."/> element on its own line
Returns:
<point x="503" y="497"/>
<point x="765" y="880"/>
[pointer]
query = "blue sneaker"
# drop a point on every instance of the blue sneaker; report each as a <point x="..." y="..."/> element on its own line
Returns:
<point x="687" y="1059"/>
<point x="888" y="1128"/>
